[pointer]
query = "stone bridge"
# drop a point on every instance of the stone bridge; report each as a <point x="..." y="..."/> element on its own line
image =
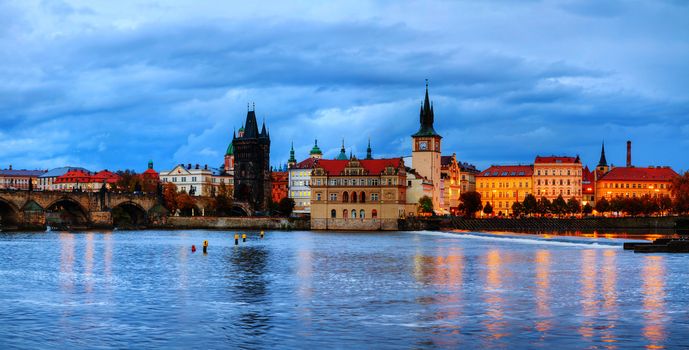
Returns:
<point x="25" y="209"/>
<point x="38" y="209"/>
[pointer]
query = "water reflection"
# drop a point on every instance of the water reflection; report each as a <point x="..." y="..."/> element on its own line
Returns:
<point x="609" y="281"/>
<point x="589" y="302"/>
<point x="495" y="323"/>
<point x="88" y="263"/>
<point x="654" y="301"/>
<point x="542" y="289"/>
<point x="66" y="261"/>
<point x="248" y="285"/>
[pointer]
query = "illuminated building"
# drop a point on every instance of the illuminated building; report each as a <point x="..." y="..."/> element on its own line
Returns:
<point x="557" y="176"/>
<point x="367" y="194"/>
<point x="503" y="185"/>
<point x="19" y="179"/>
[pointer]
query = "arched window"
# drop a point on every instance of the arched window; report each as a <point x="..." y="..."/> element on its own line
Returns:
<point x="374" y="214"/>
<point x="345" y="197"/>
<point x="353" y="197"/>
<point x="362" y="214"/>
<point x="333" y="214"/>
<point x="353" y="213"/>
<point x="345" y="214"/>
<point x="362" y="197"/>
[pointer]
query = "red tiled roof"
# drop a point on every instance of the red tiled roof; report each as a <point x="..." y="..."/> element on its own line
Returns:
<point x="85" y="177"/>
<point x="373" y="166"/>
<point x="557" y="159"/>
<point x="507" y="170"/>
<point x="308" y="163"/>
<point x="150" y="172"/>
<point x="587" y="175"/>
<point x="639" y="174"/>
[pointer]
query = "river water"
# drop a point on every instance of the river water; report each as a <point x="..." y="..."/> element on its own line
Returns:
<point x="146" y="289"/>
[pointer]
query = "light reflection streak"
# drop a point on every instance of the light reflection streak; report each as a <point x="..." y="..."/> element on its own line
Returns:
<point x="66" y="261"/>
<point x="543" y="291"/>
<point x="88" y="262"/>
<point x="493" y="296"/>
<point x="589" y="302"/>
<point x="654" y="301"/>
<point x="609" y="281"/>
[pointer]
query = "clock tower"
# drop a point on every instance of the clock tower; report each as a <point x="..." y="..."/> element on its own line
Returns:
<point x="426" y="149"/>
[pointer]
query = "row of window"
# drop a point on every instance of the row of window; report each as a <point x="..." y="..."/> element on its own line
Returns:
<point x="627" y="185"/>
<point x="295" y="194"/>
<point x="361" y="214"/>
<point x="554" y="192"/>
<point x="498" y="194"/>
<point x="346" y="197"/>
<point x="547" y="172"/>
<point x="562" y="182"/>
<point x="181" y="179"/>
<point x="525" y="184"/>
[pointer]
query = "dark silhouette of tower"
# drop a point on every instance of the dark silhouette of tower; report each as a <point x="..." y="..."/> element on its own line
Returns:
<point x="252" y="182"/>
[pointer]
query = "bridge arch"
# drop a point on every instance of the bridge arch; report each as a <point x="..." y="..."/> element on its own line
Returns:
<point x="66" y="211"/>
<point x="9" y="213"/>
<point x="238" y="210"/>
<point x="129" y="215"/>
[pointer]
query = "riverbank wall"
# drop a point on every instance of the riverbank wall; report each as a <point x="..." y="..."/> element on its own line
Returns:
<point x="223" y="223"/>
<point x="651" y="224"/>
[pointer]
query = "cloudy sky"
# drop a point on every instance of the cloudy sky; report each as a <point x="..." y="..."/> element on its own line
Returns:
<point x="112" y="84"/>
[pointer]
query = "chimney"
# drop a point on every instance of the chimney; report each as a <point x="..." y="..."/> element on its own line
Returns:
<point x="629" y="154"/>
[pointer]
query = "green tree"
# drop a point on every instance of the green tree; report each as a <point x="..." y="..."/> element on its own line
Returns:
<point x="544" y="206"/>
<point x="602" y="206"/>
<point x="170" y="197"/>
<point x="286" y="206"/>
<point x="530" y="204"/>
<point x="559" y="206"/>
<point x="426" y="204"/>
<point x="680" y="191"/>
<point x="488" y="209"/>
<point x="470" y="203"/>
<point x="517" y="209"/>
<point x="587" y="209"/>
<point x="573" y="206"/>
<point x="223" y="200"/>
<point x="664" y="204"/>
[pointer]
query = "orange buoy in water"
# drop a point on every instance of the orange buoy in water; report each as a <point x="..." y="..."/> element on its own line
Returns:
<point x="193" y="248"/>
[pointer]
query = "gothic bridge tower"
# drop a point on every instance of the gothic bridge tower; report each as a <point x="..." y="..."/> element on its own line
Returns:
<point x="251" y="148"/>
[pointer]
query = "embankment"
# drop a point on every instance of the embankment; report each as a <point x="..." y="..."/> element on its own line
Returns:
<point x="650" y="224"/>
<point x="221" y="223"/>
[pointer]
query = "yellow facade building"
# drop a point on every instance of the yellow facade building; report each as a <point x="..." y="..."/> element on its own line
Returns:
<point x="503" y="185"/>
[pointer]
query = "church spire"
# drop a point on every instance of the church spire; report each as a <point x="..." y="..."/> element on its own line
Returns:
<point x="368" y="150"/>
<point x="426" y="117"/>
<point x="343" y="153"/>
<point x="602" y="161"/>
<point x="292" y="160"/>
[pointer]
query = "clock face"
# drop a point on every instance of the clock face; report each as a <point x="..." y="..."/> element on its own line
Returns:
<point x="423" y="145"/>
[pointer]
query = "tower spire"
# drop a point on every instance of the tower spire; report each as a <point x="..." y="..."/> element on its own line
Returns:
<point x="368" y="150"/>
<point x="292" y="160"/>
<point x="426" y="117"/>
<point x="602" y="161"/>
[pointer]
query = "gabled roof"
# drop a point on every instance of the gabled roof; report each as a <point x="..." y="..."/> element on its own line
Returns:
<point x="639" y="174"/>
<point x="587" y="175"/>
<point x="372" y="166"/>
<point x="557" y="159"/>
<point x="507" y="170"/>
